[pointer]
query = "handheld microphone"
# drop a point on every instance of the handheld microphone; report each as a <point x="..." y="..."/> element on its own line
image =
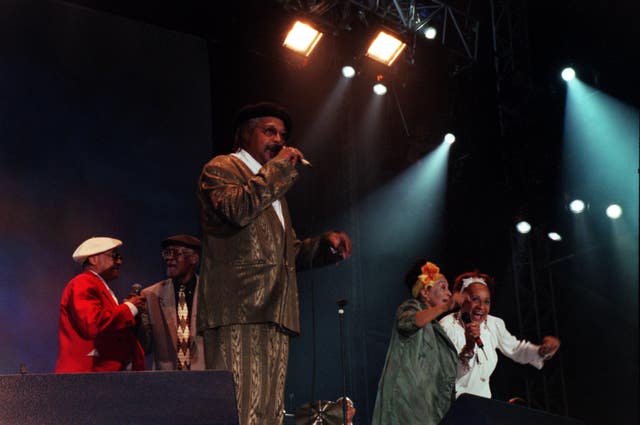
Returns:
<point x="466" y="318"/>
<point x="277" y="148"/>
<point x="136" y="288"/>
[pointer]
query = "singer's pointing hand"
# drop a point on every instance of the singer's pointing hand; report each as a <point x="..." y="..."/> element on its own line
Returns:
<point x="137" y="300"/>
<point x="550" y="345"/>
<point x="457" y="298"/>
<point x="340" y="242"/>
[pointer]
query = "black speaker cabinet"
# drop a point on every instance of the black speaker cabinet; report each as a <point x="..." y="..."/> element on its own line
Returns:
<point x="150" y="397"/>
<point x="473" y="410"/>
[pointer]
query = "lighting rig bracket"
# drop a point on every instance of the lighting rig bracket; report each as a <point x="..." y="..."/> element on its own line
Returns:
<point x="458" y="30"/>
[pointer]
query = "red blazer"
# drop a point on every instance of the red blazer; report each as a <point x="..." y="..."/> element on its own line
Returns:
<point x="91" y="320"/>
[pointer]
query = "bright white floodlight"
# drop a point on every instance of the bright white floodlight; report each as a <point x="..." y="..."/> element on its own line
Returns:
<point x="554" y="236"/>
<point x="348" y="71"/>
<point x="576" y="206"/>
<point x="302" y="38"/>
<point x="523" y="227"/>
<point x="568" y="74"/>
<point x="614" y="211"/>
<point x="430" y="33"/>
<point x="449" y="138"/>
<point x="380" y="89"/>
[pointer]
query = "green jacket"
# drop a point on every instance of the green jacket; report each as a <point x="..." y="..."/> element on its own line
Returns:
<point x="417" y="386"/>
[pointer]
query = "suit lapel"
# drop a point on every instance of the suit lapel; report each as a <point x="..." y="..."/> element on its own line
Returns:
<point x="285" y="214"/>
<point x="194" y="309"/>
<point x="168" y="303"/>
<point x="103" y="290"/>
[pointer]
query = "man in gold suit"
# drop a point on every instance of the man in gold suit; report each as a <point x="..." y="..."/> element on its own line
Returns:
<point x="248" y="296"/>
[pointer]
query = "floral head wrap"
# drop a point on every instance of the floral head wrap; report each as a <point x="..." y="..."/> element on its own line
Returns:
<point x="430" y="274"/>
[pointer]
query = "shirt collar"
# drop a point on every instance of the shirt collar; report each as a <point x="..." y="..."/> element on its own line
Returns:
<point x="248" y="160"/>
<point x="189" y="286"/>
<point x="99" y="277"/>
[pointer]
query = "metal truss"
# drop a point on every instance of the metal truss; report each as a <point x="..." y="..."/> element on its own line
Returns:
<point x="457" y="29"/>
<point x="535" y="302"/>
<point x="511" y="55"/>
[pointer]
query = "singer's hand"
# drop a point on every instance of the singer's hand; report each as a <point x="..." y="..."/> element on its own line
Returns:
<point x="471" y="332"/>
<point x="550" y="345"/>
<point x="292" y="155"/>
<point x="137" y="300"/>
<point x="340" y="242"/>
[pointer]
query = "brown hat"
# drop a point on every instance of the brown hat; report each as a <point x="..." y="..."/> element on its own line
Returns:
<point x="182" y="240"/>
<point x="263" y="109"/>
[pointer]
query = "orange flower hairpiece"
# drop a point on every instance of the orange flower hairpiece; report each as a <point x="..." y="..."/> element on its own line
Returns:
<point x="430" y="273"/>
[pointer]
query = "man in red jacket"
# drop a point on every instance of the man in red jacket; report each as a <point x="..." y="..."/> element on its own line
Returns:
<point x="95" y="332"/>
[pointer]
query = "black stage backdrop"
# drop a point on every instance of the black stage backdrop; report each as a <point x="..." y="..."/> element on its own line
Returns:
<point x="106" y="121"/>
<point x="105" y="124"/>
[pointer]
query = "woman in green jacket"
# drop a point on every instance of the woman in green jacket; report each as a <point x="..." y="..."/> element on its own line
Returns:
<point x="417" y="385"/>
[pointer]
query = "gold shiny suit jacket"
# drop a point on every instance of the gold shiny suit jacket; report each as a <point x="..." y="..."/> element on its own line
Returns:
<point x="249" y="261"/>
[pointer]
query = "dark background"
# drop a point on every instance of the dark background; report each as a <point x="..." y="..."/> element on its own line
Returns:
<point x="108" y="112"/>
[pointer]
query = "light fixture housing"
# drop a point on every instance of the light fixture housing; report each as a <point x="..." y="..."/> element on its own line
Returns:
<point x="568" y="74"/>
<point x="430" y="32"/>
<point x="577" y="206"/>
<point x="554" y="236"/>
<point x="348" y="71"/>
<point x="614" y="211"/>
<point x="380" y="89"/>
<point x="523" y="227"/>
<point x="385" y="48"/>
<point x="302" y="38"/>
<point x="449" y="138"/>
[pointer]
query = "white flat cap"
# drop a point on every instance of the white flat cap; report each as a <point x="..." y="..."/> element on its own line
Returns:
<point x="93" y="246"/>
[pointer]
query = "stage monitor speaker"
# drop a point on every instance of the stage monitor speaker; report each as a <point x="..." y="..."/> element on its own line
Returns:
<point x="473" y="410"/>
<point x="141" y="398"/>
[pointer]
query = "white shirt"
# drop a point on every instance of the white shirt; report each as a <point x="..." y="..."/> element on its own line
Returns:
<point x="255" y="166"/>
<point x="474" y="379"/>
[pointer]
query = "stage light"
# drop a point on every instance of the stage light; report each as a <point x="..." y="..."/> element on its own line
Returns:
<point x="568" y="74"/>
<point x="614" y="211"/>
<point x="523" y="227"/>
<point x="554" y="236"/>
<point x="385" y="48"/>
<point x="380" y="88"/>
<point x="302" y="38"/>
<point x="576" y="206"/>
<point x="348" y="71"/>
<point x="449" y="138"/>
<point x="430" y="32"/>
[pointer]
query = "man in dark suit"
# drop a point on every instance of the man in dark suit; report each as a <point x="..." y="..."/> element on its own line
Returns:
<point x="95" y="331"/>
<point x="160" y="321"/>
<point x="248" y="297"/>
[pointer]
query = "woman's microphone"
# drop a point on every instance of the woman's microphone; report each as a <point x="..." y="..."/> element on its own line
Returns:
<point x="466" y="318"/>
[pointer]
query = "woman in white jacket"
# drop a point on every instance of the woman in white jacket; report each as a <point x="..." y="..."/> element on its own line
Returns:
<point x="477" y="335"/>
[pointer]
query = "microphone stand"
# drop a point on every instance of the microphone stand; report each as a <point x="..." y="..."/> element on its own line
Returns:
<point x="341" y="303"/>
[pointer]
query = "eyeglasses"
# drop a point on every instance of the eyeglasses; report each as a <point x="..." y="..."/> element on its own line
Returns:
<point x="175" y="253"/>
<point x="115" y="255"/>
<point x="273" y="132"/>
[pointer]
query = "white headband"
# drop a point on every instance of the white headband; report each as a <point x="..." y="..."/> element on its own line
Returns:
<point x="469" y="280"/>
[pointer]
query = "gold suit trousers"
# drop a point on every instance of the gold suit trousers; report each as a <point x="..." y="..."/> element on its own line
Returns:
<point x="257" y="356"/>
